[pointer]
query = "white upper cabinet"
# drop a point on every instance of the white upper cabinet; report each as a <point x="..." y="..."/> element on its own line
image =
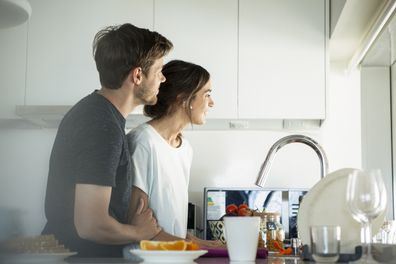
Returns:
<point x="282" y="59"/>
<point x="60" y="65"/>
<point x="267" y="58"/>
<point x="12" y="69"/>
<point x="205" y="32"/>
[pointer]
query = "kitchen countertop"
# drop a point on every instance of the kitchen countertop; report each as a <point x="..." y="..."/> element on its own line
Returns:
<point x="270" y="260"/>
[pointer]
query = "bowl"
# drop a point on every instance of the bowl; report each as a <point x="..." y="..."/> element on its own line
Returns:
<point x="217" y="230"/>
<point x="384" y="253"/>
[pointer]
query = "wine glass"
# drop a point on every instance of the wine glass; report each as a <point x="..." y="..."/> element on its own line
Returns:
<point x="366" y="199"/>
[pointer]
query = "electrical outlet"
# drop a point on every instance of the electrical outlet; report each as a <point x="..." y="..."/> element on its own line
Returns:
<point x="301" y="124"/>
<point x="239" y="124"/>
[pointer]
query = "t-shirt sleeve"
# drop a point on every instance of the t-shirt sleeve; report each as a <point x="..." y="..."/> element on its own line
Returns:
<point x="141" y="167"/>
<point x="98" y="155"/>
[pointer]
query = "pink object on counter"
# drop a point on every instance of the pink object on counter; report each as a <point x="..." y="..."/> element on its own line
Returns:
<point x="223" y="253"/>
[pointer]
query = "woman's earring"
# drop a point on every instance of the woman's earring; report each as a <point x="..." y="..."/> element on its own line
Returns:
<point x="190" y="107"/>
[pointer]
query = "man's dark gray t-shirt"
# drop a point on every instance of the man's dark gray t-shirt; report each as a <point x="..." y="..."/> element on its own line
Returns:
<point x="90" y="148"/>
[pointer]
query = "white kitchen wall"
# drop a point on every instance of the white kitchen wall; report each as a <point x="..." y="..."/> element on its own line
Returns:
<point x="24" y="158"/>
<point x="376" y="124"/>
<point x="221" y="158"/>
<point x="341" y="131"/>
<point x="12" y="73"/>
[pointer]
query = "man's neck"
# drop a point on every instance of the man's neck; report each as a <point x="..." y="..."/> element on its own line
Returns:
<point x="121" y="98"/>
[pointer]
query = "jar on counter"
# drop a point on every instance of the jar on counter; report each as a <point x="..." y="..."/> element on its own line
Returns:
<point x="275" y="232"/>
<point x="263" y="230"/>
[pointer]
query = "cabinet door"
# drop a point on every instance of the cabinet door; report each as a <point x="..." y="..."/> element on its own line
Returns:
<point x="205" y="32"/>
<point x="12" y="69"/>
<point x="61" y="69"/>
<point x="282" y="59"/>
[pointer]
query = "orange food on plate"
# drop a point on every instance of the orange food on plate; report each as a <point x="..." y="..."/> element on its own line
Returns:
<point x="168" y="245"/>
<point x="150" y="245"/>
<point x="174" y="245"/>
<point x="192" y="246"/>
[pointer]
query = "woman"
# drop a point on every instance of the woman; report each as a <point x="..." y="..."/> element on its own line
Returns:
<point x="161" y="156"/>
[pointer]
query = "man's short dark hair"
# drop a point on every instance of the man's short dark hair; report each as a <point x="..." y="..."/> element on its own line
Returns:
<point x="119" y="49"/>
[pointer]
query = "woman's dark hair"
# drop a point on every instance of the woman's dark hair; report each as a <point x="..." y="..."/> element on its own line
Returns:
<point x="119" y="49"/>
<point x="183" y="81"/>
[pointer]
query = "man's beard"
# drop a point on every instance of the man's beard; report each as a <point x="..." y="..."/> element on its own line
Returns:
<point x="146" y="96"/>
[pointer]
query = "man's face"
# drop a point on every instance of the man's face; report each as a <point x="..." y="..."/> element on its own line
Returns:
<point x="149" y="88"/>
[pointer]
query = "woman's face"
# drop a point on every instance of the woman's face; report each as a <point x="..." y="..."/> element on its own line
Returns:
<point x="201" y="103"/>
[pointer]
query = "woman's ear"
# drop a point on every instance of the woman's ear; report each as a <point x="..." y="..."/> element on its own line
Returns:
<point x="137" y="75"/>
<point x="181" y="101"/>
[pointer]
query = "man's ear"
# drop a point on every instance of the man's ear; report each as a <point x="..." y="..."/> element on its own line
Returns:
<point x="137" y="75"/>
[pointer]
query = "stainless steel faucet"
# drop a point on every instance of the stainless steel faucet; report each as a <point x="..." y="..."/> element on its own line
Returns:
<point x="266" y="167"/>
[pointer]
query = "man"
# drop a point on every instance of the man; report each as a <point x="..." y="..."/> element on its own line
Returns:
<point x="89" y="181"/>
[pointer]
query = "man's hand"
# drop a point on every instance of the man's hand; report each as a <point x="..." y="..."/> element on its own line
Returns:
<point x="144" y="221"/>
<point x="93" y="222"/>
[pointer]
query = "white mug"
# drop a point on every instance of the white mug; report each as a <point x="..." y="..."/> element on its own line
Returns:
<point x="242" y="233"/>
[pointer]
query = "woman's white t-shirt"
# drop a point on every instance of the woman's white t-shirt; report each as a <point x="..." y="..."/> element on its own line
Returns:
<point x="162" y="172"/>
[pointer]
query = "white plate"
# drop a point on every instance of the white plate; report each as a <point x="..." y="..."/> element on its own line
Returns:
<point x="171" y="256"/>
<point x="325" y="204"/>
<point x="30" y="258"/>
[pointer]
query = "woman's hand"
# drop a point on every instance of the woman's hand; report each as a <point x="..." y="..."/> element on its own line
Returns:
<point x="205" y="243"/>
<point x="212" y="244"/>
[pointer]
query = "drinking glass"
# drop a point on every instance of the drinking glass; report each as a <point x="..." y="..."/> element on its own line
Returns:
<point x="325" y="243"/>
<point x="366" y="199"/>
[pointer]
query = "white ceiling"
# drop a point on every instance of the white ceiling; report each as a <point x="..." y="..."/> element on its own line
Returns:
<point x="383" y="51"/>
<point x="354" y="23"/>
